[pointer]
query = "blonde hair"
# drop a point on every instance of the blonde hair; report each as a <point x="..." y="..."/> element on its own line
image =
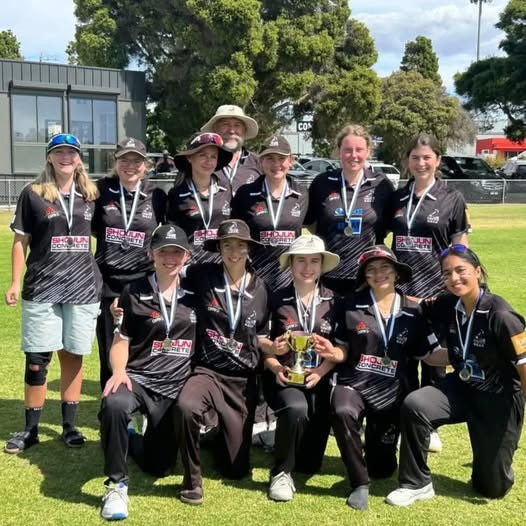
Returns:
<point x="354" y="129"/>
<point x="45" y="185"/>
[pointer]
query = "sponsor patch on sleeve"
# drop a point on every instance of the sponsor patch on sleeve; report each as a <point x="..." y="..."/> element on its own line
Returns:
<point x="519" y="343"/>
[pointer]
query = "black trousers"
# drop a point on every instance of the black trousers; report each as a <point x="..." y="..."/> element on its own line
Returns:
<point x="494" y="424"/>
<point x="229" y="399"/>
<point x="158" y="451"/>
<point x="105" y="328"/>
<point x="348" y="410"/>
<point x="303" y="424"/>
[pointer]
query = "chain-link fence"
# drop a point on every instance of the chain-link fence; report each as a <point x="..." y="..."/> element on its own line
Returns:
<point x="475" y="191"/>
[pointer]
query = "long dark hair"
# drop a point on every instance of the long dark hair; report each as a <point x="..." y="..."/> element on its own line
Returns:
<point x="422" y="139"/>
<point x="465" y="253"/>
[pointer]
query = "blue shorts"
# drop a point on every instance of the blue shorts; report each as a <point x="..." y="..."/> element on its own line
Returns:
<point x="48" y="327"/>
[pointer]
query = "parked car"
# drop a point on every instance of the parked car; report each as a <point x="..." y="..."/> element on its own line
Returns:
<point x="320" y="165"/>
<point x="515" y="175"/>
<point x="485" y="185"/>
<point x="301" y="174"/>
<point x="392" y="172"/>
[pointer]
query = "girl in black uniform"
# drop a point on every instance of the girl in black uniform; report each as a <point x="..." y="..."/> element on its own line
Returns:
<point x="232" y="314"/>
<point x="380" y="331"/>
<point x="486" y="346"/>
<point x="427" y="217"/>
<point x="126" y="213"/>
<point x="201" y="201"/>
<point x="348" y="208"/>
<point x="150" y="361"/>
<point x="60" y="297"/>
<point x="274" y="207"/>
<point x="301" y="407"/>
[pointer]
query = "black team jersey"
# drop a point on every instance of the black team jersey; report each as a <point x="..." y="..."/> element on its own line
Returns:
<point x="247" y="171"/>
<point x="207" y="282"/>
<point x="250" y="205"/>
<point x="160" y="369"/>
<point x="380" y="385"/>
<point x="440" y="217"/>
<point x="183" y="211"/>
<point x="496" y="345"/>
<point x="285" y="318"/>
<point x="119" y="262"/>
<point x="370" y="215"/>
<point x="60" y="265"/>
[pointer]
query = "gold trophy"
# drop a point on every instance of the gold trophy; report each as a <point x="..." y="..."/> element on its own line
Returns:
<point x="299" y="342"/>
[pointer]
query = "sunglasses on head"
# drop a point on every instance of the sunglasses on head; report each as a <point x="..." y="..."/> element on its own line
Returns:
<point x="206" y="138"/>
<point x="452" y="249"/>
<point x="63" y="139"/>
<point x="373" y="254"/>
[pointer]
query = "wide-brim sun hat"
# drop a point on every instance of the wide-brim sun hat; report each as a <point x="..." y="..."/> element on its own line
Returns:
<point x="231" y="229"/>
<point x="382" y="252"/>
<point x="230" y="111"/>
<point x="307" y="244"/>
<point x="198" y="142"/>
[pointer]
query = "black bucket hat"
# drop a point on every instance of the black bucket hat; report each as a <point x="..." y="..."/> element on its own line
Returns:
<point x="230" y="229"/>
<point x="382" y="252"/>
<point x="196" y="143"/>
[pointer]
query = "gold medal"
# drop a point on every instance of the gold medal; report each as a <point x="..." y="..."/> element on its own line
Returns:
<point x="386" y="361"/>
<point x="167" y="344"/>
<point x="348" y="231"/>
<point x="464" y="374"/>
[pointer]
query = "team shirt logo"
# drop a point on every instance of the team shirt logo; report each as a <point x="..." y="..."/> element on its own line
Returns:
<point x="332" y="196"/>
<point x="296" y="211"/>
<point x="233" y="229"/>
<point x="200" y="236"/>
<point x="70" y="244"/>
<point x="433" y="217"/>
<point x="401" y="338"/>
<point x="223" y="342"/>
<point x="373" y="364"/>
<point x="87" y="213"/>
<point x="154" y="315"/>
<point x="277" y="237"/>
<point x="147" y="213"/>
<point x="369" y="198"/>
<point x="133" y="237"/>
<point x="110" y="207"/>
<point x="361" y="328"/>
<point x="51" y="212"/>
<point x="179" y="347"/>
<point x="259" y="209"/>
<point x="251" y="320"/>
<point x="214" y="305"/>
<point x="414" y="244"/>
<point x="479" y="340"/>
<point x="226" y="209"/>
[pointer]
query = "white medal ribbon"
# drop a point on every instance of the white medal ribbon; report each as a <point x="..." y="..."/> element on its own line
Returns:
<point x="200" y="204"/>
<point x="168" y="317"/>
<point x="68" y="213"/>
<point x="128" y="221"/>
<point x="275" y="218"/>
<point x="350" y="208"/>
<point x="392" y="318"/>
<point x="307" y="312"/>
<point x="464" y="344"/>
<point x="234" y="314"/>
<point x="410" y="217"/>
<point x="231" y="172"/>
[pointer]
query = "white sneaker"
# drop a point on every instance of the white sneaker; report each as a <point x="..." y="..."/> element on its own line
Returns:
<point x="407" y="496"/>
<point x="281" y="487"/>
<point x="115" y="502"/>
<point x="435" y="444"/>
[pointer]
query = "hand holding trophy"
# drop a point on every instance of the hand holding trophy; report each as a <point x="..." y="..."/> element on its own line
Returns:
<point x="300" y="342"/>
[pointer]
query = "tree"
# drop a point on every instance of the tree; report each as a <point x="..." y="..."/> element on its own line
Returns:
<point x="9" y="46"/>
<point x="412" y="104"/>
<point x="264" y="55"/>
<point x="479" y="2"/>
<point x="498" y="84"/>
<point x="419" y="56"/>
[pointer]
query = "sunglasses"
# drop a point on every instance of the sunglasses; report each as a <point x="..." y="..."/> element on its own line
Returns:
<point x="373" y="254"/>
<point x="63" y="139"/>
<point x="453" y="248"/>
<point x="204" y="139"/>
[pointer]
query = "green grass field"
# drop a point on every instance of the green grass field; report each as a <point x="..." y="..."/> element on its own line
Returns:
<point x="50" y="485"/>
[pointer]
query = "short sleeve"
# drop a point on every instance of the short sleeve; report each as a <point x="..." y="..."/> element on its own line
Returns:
<point x="508" y="328"/>
<point x="24" y="219"/>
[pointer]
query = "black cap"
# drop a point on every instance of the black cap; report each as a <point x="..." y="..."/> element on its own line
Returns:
<point x="276" y="144"/>
<point x="169" y="236"/>
<point x="130" y="145"/>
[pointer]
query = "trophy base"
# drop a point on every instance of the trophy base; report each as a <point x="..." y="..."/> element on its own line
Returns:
<point x="296" y="378"/>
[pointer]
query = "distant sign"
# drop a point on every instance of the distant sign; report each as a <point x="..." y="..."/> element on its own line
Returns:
<point x="304" y="126"/>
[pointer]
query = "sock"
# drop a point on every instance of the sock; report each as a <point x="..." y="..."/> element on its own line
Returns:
<point x="33" y="415"/>
<point x="358" y="498"/>
<point x="69" y="411"/>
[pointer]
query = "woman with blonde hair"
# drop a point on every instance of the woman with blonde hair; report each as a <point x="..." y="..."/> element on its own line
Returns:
<point x="60" y="295"/>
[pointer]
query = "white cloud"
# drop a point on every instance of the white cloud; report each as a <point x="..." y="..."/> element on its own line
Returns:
<point x="43" y="27"/>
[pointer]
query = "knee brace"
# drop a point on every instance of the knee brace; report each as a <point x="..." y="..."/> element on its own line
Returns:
<point x="36" y="368"/>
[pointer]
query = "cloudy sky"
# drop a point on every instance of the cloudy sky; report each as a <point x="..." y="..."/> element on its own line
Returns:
<point x="45" y="28"/>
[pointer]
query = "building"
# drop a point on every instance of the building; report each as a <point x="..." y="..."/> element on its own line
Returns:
<point x="38" y="100"/>
<point x="499" y="147"/>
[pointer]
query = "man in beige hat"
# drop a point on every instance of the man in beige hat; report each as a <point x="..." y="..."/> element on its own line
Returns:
<point x="235" y="127"/>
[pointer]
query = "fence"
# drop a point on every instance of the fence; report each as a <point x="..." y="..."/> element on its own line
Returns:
<point x="474" y="191"/>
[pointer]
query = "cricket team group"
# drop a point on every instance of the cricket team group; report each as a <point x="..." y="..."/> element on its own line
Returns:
<point x="213" y="308"/>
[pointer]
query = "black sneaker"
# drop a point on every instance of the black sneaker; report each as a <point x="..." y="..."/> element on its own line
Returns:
<point x="20" y="441"/>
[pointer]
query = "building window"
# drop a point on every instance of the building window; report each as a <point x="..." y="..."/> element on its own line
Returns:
<point x="93" y="121"/>
<point x="35" y="119"/>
